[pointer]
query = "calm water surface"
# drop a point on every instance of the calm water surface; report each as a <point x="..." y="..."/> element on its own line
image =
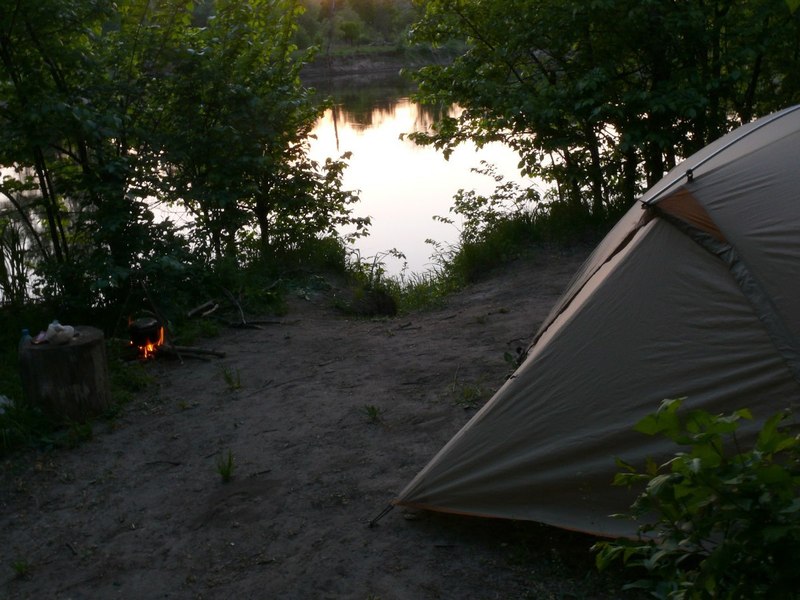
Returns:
<point x="402" y="185"/>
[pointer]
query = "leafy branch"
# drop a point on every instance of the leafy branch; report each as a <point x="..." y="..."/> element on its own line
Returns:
<point x="723" y="520"/>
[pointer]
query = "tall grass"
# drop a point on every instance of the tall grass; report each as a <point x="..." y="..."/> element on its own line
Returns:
<point x="494" y="230"/>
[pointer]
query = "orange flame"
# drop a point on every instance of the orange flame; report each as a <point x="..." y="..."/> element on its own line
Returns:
<point x="149" y="349"/>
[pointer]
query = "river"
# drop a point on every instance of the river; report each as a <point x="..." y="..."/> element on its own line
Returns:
<point x="402" y="186"/>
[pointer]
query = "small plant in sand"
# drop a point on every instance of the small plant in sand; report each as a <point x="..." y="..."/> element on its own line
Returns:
<point x="232" y="378"/>
<point x="22" y="568"/>
<point x="225" y="466"/>
<point x="373" y="414"/>
<point x="514" y="360"/>
<point x="466" y="395"/>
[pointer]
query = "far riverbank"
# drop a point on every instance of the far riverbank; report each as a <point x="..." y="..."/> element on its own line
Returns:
<point x="369" y="63"/>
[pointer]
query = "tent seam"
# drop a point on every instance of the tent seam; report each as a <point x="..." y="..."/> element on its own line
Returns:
<point x="645" y="219"/>
<point x="765" y="310"/>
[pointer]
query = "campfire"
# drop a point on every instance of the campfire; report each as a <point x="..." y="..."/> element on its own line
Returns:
<point x="147" y="335"/>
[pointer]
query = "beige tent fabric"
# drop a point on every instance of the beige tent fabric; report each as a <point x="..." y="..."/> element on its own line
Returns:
<point x="615" y="241"/>
<point x="653" y="314"/>
<point x="543" y="448"/>
<point x="755" y="202"/>
<point x="741" y="142"/>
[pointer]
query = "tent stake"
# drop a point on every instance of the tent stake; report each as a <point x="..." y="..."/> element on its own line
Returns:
<point x="383" y="513"/>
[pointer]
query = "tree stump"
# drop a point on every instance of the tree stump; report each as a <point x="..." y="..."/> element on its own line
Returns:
<point x="69" y="381"/>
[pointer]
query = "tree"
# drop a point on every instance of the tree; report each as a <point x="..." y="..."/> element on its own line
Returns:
<point x="372" y="21"/>
<point x="13" y="268"/>
<point x="379" y="15"/>
<point x="72" y="95"/>
<point x="235" y="136"/>
<point x="351" y="31"/>
<point x="600" y="98"/>
<point x="112" y="108"/>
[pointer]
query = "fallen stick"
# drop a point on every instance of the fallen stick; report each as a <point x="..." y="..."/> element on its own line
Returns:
<point x="201" y="308"/>
<point x="194" y="350"/>
<point x="167" y="351"/>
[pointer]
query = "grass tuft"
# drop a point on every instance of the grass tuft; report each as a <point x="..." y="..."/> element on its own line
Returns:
<point x="226" y="464"/>
<point x="373" y="414"/>
<point x="232" y="378"/>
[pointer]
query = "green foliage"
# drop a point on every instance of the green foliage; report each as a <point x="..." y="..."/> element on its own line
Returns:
<point x="66" y="129"/>
<point x="388" y="295"/>
<point x="417" y="291"/>
<point x="724" y="520"/>
<point x="22" y="425"/>
<point x="192" y="330"/>
<point x="372" y="413"/>
<point x="493" y="229"/>
<point x="240" y="163"/>
<point x="351" y="31"/>
<point x="371" y="22"/>
<point x="497" y="228"/>
<point x="372" y="293"/>
<point x="127" y="379"/>
<point x="467" y="395"/>
<point x="232" y="378"/>
<point x="113" y="113"/>
<point x="371" y="272"/>
<point x="599" y="99"/>
<point x="15" y="273"/>
<point x="22" y="568"/>
<point x="514" y="360"/>
<point x="226" y="464"/>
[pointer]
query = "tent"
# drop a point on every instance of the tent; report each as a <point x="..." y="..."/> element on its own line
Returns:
<point x="694" y="293"/>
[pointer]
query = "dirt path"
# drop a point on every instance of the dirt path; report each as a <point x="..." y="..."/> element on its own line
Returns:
<point x="333" y="417"/>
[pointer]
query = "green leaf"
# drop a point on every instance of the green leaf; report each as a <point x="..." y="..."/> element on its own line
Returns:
<point x="660" y="483"/>
<point x="745" y="500"/>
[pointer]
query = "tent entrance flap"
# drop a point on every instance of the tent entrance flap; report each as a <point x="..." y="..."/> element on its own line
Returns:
<point x="682" y="205"/>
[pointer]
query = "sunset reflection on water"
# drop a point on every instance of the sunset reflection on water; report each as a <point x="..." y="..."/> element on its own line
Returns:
<point x="402" y="185"/>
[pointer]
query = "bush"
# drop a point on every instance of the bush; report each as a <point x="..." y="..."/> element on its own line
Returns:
<point x="497" y="228"/>
<point x="727" y="519"/>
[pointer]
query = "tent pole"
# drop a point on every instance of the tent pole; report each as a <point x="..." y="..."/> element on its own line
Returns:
<point x="689" y="173"/>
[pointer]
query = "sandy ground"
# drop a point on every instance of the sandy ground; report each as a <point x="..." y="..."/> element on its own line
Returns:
<point x="334" y="415"/>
